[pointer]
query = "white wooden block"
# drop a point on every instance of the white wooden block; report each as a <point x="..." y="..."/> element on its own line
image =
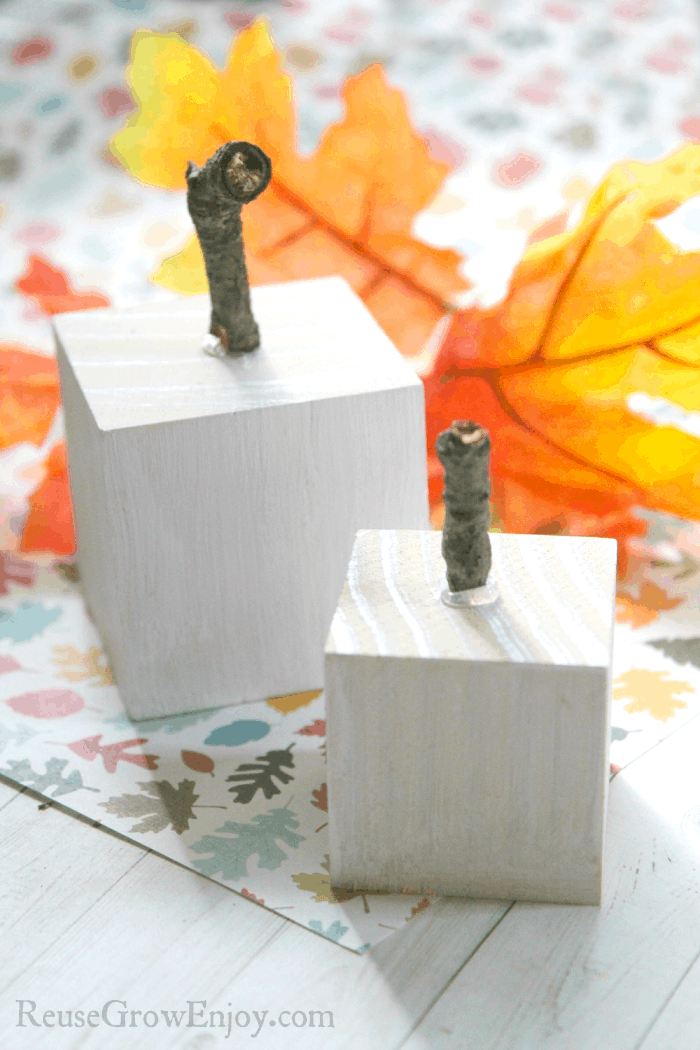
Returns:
<point x="468" y="749"/>
<point x="216" y="500"/>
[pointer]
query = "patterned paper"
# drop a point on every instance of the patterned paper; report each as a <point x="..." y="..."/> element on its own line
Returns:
<point x="239" y="793"/>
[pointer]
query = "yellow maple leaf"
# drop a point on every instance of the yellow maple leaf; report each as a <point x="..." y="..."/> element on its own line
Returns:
<point x="346" y="209"/>
<point x="597" y="320"/>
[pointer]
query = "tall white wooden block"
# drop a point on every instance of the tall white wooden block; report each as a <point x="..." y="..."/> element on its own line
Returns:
<point x="216" y="500"/>
<point x="468" y="749"/>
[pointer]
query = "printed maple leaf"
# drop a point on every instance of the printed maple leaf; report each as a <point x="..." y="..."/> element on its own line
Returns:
<point x="89" y="748"/>
<point x="51" y="290"/>
<point x="161" y="805"/>
<point x="651" y="691"/>
<point x="258" y="775"/>
<point x="231" y="855"/>
<point x="598" y="321"/>
<point x="348" y="209"/>
<point x="319" y="883"/>
<point x="53" y="777"/>
<point x="79" y="666"/>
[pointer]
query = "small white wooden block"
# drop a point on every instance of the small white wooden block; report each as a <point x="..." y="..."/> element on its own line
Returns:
<point x="216" y="500"/>
<point x="468" y="749"/>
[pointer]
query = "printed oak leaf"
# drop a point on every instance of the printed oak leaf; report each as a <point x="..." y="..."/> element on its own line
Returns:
<point x="347" y="209"/>
<point x="53" y="777"/>
<point x="231" y="855"/>
<point x="651" y="691"/>
<point x="89" y="748"/>
<point x="78" y="667"/>
<point x="51" y="289"/>
<point x="160" y="805"/>
<point x="321" y="798"/>
<point x="258" y="775"/>
<point x="14" y="570"/>
<point x="598" y="321"/>
<point x="335" y="931"/>
<point x="680" y="650"/>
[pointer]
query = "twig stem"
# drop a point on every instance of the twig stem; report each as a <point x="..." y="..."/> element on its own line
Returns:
<point x="463" y="450"/>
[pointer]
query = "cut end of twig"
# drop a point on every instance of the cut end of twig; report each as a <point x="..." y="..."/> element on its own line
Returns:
<point x="246" y="171"/>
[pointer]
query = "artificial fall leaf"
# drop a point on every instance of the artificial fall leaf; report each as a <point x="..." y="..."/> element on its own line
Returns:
<point x="49" y="526"/>
<point x="347" y="209"/>
<point x="30" y="395"/>
<point x="51" y="290"/>
<point x="592" y="316"/>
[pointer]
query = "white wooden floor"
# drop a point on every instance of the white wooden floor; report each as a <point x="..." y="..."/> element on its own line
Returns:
<point x="87" y="917"/>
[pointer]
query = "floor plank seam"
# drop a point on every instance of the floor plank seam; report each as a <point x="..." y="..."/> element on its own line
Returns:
<point x="647" y="1031"/>
<point x="16" y="977"/>
<point x="454" y="977"/>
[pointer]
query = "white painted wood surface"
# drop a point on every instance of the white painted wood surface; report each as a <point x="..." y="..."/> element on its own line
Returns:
<point x="468" y="749"/>
<point x="216" y="501"/>
<point x="86" y="917"/>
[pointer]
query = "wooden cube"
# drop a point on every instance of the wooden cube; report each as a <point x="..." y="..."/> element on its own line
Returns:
<point x="468" y="748"/>
<point x="216" y="500"/>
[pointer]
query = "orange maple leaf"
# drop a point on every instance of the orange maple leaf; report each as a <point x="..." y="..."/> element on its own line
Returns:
<point x="49" y="525"/>
<point x="347" y="209"/>
<point x="51" y="290"/>
<point x="30" y="396"/>
<point x="594" y="318"/>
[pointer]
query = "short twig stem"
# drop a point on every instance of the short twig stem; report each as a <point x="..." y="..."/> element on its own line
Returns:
<point x="463" y="450"/>
<point x="232" y="177"/>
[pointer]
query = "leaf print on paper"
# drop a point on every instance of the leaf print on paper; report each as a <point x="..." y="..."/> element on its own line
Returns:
<point x="89" y="748"/>
<point x="348" y="209"/>
<point x="17" y="736"/>
<point x="13" y="569"/>
<point x="198" y="762"/>
<point x="651" y="691"/>
<point x="239" y="732"/>
<point x="78" y="667"/>
<point x="258" y="775"/>
<point x="644" y="609"/>
<point x="315" y="728"/>
<point x="47" y="703"/>
<point x="680" y="650"/>
<point x="29" y="620"/>
<point x="321" y="798"/>
<point x="231" y="855"/>
<point x="319" y="883"/>
<point x="53" y="777"/>
<point x="335" y="932"/>
<point x="51" y="290"/>
<point x="160" y="805"/>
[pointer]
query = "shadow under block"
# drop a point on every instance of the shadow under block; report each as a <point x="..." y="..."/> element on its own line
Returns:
<point x="468" y="749"/>
<point x="216" y="500"/>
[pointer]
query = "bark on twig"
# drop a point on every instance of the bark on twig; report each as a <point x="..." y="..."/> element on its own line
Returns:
<point x="233" y="176"/>
<point x="463" y="450"/>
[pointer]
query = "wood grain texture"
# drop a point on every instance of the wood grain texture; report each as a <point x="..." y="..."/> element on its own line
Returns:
<point x="560" y="978"/>
<point x="468" y="749"/>
<point x="159" y="935"/>
<point x="215" y="524"/>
